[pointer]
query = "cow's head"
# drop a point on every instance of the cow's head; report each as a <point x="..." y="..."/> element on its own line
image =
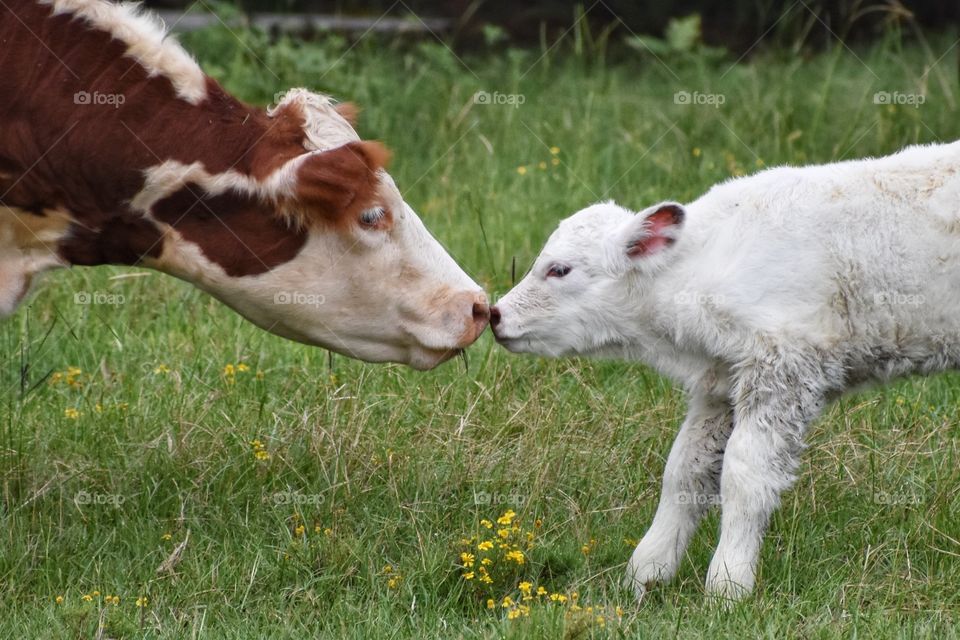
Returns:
<point x="581" y="296"/>
<point x="318" y="247"/>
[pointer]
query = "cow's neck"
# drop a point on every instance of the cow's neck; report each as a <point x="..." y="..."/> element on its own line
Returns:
<point x="71" y="169"/>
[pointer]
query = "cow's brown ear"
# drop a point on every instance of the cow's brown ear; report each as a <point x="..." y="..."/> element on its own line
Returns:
<point x="336" y="184"/>
<point x="349" y="112"/>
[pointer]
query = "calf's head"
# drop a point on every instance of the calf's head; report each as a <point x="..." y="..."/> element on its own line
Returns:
<point x="581" y="293"/>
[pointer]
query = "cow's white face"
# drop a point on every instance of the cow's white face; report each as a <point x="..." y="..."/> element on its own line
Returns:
<point x="584" y="286"/>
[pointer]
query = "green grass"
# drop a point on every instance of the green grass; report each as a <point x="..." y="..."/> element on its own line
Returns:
<point x="390" y="461"/>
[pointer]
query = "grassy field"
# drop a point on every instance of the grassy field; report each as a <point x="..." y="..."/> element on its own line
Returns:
<point x="300" y="496"/>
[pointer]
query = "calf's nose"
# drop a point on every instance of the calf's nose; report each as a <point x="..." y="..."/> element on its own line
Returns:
<point x="494" y="317"/>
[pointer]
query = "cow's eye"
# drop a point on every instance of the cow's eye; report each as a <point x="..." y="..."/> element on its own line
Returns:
<point x="558" y="270"/>
<point x="372" y="217"/>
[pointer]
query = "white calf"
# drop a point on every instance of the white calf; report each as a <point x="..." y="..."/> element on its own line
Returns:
<point x="766" y="298"/>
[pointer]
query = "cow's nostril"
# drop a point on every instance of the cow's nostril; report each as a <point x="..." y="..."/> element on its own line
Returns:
<point x="494" y="317"/>
<point x="481" y="312"/>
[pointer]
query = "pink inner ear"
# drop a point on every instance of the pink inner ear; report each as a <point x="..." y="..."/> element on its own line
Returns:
<point x="656" y="223"/>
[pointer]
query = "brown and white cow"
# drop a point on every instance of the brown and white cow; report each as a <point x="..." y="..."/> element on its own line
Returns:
<point x="115" y="148"/>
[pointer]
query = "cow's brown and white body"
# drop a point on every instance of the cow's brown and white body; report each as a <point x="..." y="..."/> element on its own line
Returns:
<point x="115" y="148"/>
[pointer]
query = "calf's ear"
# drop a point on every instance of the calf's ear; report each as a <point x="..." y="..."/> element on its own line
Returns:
<point x="652" y="231"/>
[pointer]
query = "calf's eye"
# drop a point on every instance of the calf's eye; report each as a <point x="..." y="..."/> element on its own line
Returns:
<point x="558" y="271"/>
<point x="372" y="217"/>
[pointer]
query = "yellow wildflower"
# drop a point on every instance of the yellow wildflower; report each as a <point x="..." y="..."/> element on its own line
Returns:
<point x="59" y="600"/>
<point x="490" y="603"/>
<point x="142" y="601"/>
<point x="467" y="559"/>
<point x="554" y="150"/>
<point x="486" y="523"/>
<point x="522" y="170"/>
<point x="71" y="413"/>
<point x="516" y="555"/>
<point x="507" y="517"/>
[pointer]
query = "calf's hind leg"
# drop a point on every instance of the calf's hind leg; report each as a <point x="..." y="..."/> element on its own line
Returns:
<point x="774" y="404"/>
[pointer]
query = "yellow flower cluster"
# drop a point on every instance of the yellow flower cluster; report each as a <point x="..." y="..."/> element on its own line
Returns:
<point x="542" y="165"/>
<point x="95" y="595"/>
<point x="73" y="378"/>
<point x="259" y="450"/>
<point x="230" y="372"/>
<point x="491" y="564"/>
<point x="394" y="579"/>
<point x="491" y="560"/>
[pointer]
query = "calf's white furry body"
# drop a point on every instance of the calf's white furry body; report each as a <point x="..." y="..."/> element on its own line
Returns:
<point x="765" y="298"/>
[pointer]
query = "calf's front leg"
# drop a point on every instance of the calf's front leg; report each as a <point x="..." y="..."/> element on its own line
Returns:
<point x="691" y="483"/>
<point x="773" y="406"/>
